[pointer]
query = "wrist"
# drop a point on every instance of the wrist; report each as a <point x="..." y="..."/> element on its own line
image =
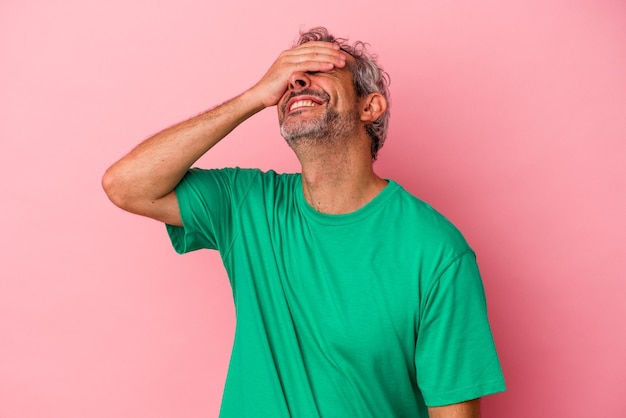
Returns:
<point x="253" y="99"/>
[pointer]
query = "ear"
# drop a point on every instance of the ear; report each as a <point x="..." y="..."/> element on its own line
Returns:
<point x="372" y="106"/>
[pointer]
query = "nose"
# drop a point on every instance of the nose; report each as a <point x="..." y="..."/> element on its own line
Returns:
<point x="299" y="80"/>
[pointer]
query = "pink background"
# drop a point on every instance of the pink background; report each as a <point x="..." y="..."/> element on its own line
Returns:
<point x="508" y="118"/>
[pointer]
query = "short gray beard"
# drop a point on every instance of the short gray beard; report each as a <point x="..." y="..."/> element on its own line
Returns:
<point x="319" y="131"/>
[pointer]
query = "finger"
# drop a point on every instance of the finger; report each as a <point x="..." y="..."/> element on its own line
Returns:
<point x="320" y="48"/>
<point x="315" y="44"/>
<point x="334" y="57"/>
<point x="313" y="66"/>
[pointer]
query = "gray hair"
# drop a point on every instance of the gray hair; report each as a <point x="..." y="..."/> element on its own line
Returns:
<point x="368" y="76"/>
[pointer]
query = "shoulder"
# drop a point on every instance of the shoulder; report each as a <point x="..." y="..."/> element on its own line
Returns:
<point x="236" y="182"/>
<point x="426" y="223"/>
<point x="237" y="174"/>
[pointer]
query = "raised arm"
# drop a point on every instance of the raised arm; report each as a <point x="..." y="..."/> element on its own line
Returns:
<point x="143" y="181"/>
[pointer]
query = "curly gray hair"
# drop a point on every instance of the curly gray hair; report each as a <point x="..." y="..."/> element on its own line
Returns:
<point x="368" y="78"/>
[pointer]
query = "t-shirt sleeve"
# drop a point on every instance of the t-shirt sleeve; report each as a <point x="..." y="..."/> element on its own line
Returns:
<point x="455" y="356"/>
<point x="206" y="200"/>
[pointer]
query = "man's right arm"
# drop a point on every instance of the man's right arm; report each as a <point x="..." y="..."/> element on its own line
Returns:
<point x="143" y="181"/>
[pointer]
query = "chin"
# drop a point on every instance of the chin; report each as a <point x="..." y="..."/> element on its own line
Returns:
<point x="319" y="130"/>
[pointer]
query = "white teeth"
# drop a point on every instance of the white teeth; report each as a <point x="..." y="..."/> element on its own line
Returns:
<point x="302" y="103"/>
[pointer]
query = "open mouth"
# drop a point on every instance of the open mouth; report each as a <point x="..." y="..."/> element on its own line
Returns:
<point x="298" y="104"/>
<point x="302" y="103"/>
<point x="303" y="100"/>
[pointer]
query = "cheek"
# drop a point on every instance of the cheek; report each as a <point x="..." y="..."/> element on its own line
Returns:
<point x="280" y="113"/>
<point x="348" y="100"/>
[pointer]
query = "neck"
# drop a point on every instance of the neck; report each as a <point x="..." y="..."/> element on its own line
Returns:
<point x="339" y="179"/>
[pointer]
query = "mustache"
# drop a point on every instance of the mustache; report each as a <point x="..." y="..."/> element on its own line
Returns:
<point x="304" y="92"/>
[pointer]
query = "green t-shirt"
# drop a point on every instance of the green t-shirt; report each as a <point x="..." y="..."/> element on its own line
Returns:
<point x="375" y="313"/>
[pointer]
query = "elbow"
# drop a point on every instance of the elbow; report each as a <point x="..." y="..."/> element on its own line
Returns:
<point x="122" y="190"/>
<point x="111" y="184"/>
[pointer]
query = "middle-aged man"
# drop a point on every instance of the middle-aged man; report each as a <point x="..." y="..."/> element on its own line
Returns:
<point x="353" y="297"/>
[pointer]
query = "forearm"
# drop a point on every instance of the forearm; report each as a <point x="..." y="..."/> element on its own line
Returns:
<point x="154" y="168"/>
